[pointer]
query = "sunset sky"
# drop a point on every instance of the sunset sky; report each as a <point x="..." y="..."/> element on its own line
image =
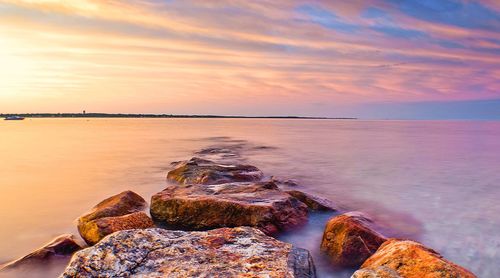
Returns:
<point x="369" y="59"/>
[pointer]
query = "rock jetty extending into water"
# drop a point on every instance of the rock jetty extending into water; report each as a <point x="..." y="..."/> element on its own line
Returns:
<point x="217" y="219"/>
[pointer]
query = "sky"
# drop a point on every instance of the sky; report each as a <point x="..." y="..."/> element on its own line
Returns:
<point x="391" y="59"/>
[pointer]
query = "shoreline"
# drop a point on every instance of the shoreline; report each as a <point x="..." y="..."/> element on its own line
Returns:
<point x="119" y="115"/>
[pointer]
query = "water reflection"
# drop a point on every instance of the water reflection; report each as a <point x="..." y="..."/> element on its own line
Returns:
<point x="437" y="182"/>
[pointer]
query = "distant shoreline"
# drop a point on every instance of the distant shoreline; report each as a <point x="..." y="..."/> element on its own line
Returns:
<point x="106" y="115"/>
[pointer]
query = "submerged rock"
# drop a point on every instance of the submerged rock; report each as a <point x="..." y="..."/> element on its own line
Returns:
<point x="201" y="207"/>
<point x="313" y="202"/>
<point x="349" y="240"/>
<point x="411" y="259"/>
<point x="120" y="212"/>
<point x="63" y="245"/>
<point x="226" y="252"/>
<point x="202" y="171"/>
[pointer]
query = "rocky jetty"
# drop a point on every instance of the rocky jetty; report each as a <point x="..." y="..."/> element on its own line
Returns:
<point x="410" y="259"/>
<point x="219" y="216"/>
<point x="63" y="245"/>
<point x="225" y="252"/>
<point x="199" y="207"/>
<point x="120" y="212"/>
<point x="202" y="171"/>
<point x="349" y="239"/>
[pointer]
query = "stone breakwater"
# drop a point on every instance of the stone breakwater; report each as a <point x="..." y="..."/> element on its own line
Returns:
<point x="218" y="219"/>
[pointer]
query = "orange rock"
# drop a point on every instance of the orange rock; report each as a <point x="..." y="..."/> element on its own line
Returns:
<point x="93" y="231"/>
<point x="201" y="207"/>
<point x="349" y="240"/>
<point x="411" y="259"/>
<point x="120" y="212"/>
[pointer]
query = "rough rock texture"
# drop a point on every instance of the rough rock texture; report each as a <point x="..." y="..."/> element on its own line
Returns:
<point x="226" y="252"/>
<point x="119" y="212"/>
<point x="379" y="272"/>
<point x="349" y="240"/>
<point x="201" y="171"/>
<point x="313" y="202"/>
<point x="95" y="230"/>
<point x="413" y="260"/>
<point x="201" y="207"/>
<point x="63" y="245"/>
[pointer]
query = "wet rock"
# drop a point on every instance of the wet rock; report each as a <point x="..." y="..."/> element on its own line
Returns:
<point x="411" y="259"/>
<point x="120" y="212"/>
<point x="313" y="202"/>
<point x="221" y="153"/>
<point x="282" y="182"/>
<point x="226" y="252"/>
<point x="199" y="207"/>
<point x="202" y="171"/>
<point x="349" y="239"/>
<point x="61" y="246"/>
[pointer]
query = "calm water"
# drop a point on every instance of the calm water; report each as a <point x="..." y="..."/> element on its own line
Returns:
<point x="436" y="182"/>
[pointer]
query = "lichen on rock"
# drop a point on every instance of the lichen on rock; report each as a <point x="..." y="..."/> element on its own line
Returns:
<point x="225" y="252"/>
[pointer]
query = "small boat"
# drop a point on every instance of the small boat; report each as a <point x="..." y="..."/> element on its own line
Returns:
<point x="14" y="118"/>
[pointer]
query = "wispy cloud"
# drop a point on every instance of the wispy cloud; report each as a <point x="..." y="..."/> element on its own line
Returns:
<point x="225" y="56"/>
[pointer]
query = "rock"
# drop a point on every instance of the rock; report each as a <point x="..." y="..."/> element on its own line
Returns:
<point x="411" y="259"/>
<point x="349" y="239"/>
<point x="313" y="202"/>
<point x="222" y="153"/>
<point x="201" y="171"/>
<point x="95" y="230"/>
<point x="289" y="182"/>
<point x="226" y="252"/>
<point x="379" y="272"/>
<point x="201" y="207"/>
<point x="119" y="212"/>
<point x="63" y="245"/>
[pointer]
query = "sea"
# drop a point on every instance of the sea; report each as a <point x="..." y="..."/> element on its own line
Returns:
<point x="436" y="182"/>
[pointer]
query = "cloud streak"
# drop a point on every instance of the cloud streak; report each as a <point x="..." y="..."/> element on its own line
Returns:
<point x="229" y="56"/>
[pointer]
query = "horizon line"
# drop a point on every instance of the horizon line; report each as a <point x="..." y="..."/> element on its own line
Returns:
<point x="161" y="115"/>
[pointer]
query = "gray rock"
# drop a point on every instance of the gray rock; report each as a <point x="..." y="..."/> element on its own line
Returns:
<point x="225" y="252"/>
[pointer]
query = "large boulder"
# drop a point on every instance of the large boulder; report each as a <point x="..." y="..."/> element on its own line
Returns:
<point x="120" y="212"/>
<point x="349" y="239"/>
<point x="226" y="252"/>
<point x="202" y="171"/>
<point x="201" y="207"/>
<point x="411" y="259"/>
<point x="61" y="246"/>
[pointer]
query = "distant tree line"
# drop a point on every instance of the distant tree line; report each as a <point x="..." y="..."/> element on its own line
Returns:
<point x="108" y="115"/>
